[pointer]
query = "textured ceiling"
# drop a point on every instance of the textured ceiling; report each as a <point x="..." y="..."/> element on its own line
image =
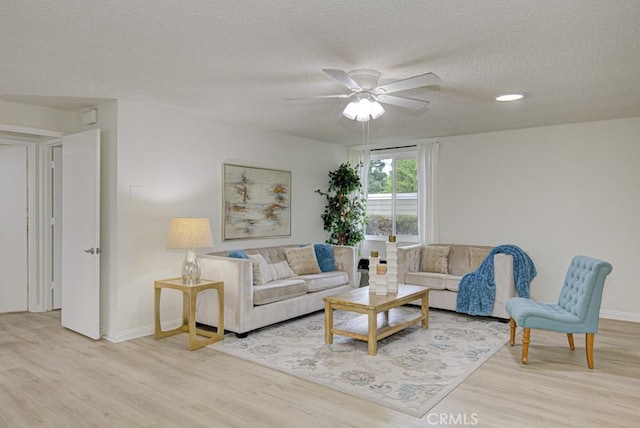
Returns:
<point x="235" y="61"/>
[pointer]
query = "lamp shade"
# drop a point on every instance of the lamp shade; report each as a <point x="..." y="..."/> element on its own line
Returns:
<point x="376" y="110"/>
<point x="364" y="110"/>
<point x="351" y="110"/>
<point x="190" y="232"/>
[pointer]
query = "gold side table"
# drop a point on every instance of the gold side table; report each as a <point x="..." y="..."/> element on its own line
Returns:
<point x="189" y="296"/>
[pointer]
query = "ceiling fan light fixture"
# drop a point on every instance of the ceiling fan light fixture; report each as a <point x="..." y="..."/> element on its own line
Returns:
<point x="376" y="110"/>
<point x="364" y="110"/>
<point x="351" y="110"/>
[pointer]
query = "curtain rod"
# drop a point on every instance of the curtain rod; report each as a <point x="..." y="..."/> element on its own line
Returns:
<point x="391" y="148"/>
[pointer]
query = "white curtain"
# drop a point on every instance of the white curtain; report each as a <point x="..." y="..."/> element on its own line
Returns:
<point x="356" y="157"/>
<point x="428" y="192"/>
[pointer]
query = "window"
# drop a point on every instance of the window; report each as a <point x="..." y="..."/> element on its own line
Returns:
<point x="392" y="196"/>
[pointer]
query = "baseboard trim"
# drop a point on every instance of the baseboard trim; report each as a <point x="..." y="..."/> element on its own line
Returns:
<point x="620" y="316"/>
<point x="122" y="336"/>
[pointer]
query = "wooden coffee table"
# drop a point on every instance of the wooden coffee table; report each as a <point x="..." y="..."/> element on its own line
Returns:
<point x="381" y="317"/>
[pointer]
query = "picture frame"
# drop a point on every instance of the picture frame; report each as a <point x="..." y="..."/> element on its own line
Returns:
<point x="256" y="202"/>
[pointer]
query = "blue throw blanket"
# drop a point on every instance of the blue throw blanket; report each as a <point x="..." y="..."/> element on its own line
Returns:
<point x="477" y="290"/>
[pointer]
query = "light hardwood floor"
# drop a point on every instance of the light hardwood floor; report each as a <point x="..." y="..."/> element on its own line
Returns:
<point x="51" y="377"/>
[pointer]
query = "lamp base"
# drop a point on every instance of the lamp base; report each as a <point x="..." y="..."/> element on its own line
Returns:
<point x="191" y="268"/>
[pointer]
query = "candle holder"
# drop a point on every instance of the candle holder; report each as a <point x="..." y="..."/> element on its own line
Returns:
<point x="383" y="278"/>
<point x="374" y="261"/>
<point x="392" y="265"/>
<point x="381" y="282"/>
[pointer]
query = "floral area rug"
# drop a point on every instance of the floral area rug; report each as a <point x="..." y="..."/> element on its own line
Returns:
<point x="413" y="370"/>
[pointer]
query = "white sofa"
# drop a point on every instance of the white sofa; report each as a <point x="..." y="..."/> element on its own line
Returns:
<point x="444" y="287"/>
<point x="248" y="306"/>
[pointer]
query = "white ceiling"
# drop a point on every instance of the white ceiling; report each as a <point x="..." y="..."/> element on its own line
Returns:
<point x="235" y="61"/>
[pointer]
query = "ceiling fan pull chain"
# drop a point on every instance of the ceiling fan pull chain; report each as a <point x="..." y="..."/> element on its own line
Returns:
<point x="367" y="132"/>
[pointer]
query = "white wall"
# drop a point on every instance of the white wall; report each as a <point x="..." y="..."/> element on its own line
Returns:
<point x="32" y="116"/>
<point x="176" y="159"/>
<point x="554" y="191"/>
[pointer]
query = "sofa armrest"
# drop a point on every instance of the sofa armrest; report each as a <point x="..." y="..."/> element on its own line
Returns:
<point x="345" y="257"/>
<point x="237" y="275"/>
<point x="503" y="277"/>
<point x="408" y="260"/>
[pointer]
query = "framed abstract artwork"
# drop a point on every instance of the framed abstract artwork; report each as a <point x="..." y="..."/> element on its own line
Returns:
<point x="256" y="202"/>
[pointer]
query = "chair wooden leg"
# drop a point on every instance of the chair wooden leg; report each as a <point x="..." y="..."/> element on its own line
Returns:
<point x="571" y="344"/>
<point x="512" y="332"/>
<point x="589" y="345"/>
<point x="526" y="335"/>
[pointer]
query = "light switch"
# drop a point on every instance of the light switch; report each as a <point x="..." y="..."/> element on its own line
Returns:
<point x="135" y="192"/>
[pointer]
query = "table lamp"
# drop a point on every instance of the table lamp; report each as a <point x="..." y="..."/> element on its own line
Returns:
<point x="190" y="233"/>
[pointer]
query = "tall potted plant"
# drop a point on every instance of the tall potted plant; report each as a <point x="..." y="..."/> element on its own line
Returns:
<point x="344" y="214"/>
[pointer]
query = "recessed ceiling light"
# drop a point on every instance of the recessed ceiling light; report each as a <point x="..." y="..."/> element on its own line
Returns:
<point x="509" y="97"/>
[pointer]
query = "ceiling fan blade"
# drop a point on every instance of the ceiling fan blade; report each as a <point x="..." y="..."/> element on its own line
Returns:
<point x="319" y="97"/>
<point x="427" y="79"/>
<point x="405" y="102"/>
<point x="343" y="77"/>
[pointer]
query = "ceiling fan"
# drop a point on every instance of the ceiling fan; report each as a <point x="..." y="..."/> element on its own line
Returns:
<point x="367" y="94"/>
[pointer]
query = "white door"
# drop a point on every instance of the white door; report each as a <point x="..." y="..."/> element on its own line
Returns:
<point x="56" y="228"/>
<point x="81" y="233"/>
<point x="13" y="227"/>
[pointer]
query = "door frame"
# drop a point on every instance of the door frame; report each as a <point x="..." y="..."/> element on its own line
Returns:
<point x="39" y="202"/>
<point x="44" y="226"/>
<point x="33" y="301"/>
<point x="39" y="143"/>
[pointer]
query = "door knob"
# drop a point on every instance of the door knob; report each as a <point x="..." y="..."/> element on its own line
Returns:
<point x="90" y="250"/>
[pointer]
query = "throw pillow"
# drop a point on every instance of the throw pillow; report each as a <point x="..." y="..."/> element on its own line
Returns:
<point x="326" y="260"/>
<point x="237" y="254"/>
<point x="302" y="260"/>
<point x="476" y="257"/>
<point x="261" y="274"/>
<point x="280" y="270"/>
<point x="434" y="259"/>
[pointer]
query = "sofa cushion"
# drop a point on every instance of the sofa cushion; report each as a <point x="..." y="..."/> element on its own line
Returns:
<point x="260" y="269"/>
<point x="437" y="281"/>
<point x="281" y="289"/>
<point x="270" y="254"/>
<point x="459" y="258"/>
<point x="477" y="256"/>
<point x="324" y="255"/>
<point x="434" y="259"/>
<point x="280" y="270"/>
<point x="302" y="260"/>
<point x="325" y="280"/>
<point x="452" y="283"/>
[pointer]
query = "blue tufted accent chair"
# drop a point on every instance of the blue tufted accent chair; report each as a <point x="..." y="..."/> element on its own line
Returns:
<point x="577" y="310"/>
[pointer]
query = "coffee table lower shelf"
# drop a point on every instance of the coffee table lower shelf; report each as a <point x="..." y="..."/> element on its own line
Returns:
<point x="388" y="323"/>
